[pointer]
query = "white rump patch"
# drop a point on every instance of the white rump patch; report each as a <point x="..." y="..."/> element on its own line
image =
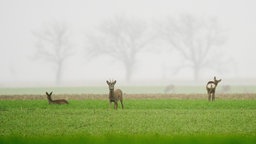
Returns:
<point x="211" y="85"/>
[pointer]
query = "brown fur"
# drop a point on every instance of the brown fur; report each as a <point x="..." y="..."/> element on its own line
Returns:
<point x="115" y="95"/>
<point x="211" y="87"/>
<point x="60" y="101"/>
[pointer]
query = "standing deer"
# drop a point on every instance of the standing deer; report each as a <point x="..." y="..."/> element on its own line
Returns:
<point x="115" y="95"/>
<point x="60" y="101"/>
<point x="211" y="87"/>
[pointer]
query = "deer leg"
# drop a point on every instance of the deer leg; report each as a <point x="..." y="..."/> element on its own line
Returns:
<point x="110" y="103"/>
<point x="209" y="96"/>
<point x="116" y="105"/>
<point x="208" y="93"/>
<point x="213" y="96"/>
<point x="122" y="104"/>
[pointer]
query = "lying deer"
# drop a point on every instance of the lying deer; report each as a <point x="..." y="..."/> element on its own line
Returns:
<point x="60" y="101"/>
<point x="211" y="87"/>
<point x="115" y="95"/>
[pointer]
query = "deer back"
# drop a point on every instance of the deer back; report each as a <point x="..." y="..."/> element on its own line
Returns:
<point x="60" y="101"/>
<point x="210" y="84"/>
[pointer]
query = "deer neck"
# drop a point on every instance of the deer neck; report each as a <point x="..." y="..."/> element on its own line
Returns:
<point x="49" y="98"/>
<point x="111" y="93"/>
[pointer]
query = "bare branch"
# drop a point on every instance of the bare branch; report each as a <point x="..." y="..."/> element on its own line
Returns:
<point x="53" y="45"/>
<point x="194" y="39"/>
<point x="121" y="38"/>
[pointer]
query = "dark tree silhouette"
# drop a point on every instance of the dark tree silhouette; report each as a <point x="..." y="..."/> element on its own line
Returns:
<point x="121" y="38"/>
<point x="196" y="40"/>
<point x="53" y="45"/>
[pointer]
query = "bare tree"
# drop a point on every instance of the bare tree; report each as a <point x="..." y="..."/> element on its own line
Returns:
<point x="196" y="40"/>
<point x="121" y="38"/>
<point x="53" y="45"/>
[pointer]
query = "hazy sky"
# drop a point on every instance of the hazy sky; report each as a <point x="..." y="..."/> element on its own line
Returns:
<point x="19" y="18"/>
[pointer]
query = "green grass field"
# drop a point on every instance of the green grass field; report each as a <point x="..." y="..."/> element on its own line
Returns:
<point x="142" y="121"/>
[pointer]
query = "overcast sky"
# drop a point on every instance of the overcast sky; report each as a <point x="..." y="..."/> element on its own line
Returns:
<point x="19" y="18"/>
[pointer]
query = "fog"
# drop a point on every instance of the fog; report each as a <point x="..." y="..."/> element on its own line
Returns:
<point x="136" y="42"/>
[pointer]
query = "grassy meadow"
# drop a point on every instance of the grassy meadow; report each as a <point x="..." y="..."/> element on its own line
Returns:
<point x="165" y="119"/>
<point x="145" y="119"/>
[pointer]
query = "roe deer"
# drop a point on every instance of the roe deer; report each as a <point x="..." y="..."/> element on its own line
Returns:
<point x="60" y="101"/>
<point x="211" y="87"/>
<point x="115" y="95"/>
<point x="169" y="89"/>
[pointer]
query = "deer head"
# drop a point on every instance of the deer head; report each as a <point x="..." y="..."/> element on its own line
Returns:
<point x="216" y="81"/>
<point x="111" y="84"/>
<point x="48" y="95"/>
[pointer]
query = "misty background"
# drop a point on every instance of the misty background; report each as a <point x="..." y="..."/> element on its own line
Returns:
<point x="136" y="42"/>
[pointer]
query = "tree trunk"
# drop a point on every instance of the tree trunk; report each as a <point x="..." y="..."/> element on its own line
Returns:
<point x="128" y="71"/>
<point x="59" y="73"/>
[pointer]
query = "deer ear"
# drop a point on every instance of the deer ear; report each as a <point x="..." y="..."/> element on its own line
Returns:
<point x="51" y="93"/>
<point x="214" y="78"/>
<point x="114" y="82"/>
<point x="107" y="81"/>
<point x="46" y="93"/>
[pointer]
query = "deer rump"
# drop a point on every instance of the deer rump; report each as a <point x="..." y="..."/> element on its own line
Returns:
<point x="210" y="86"/>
